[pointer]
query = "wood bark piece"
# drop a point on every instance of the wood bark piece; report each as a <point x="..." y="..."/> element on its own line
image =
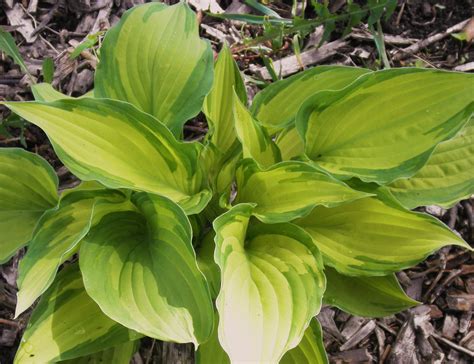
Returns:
<point x="289" y="65"/>
<point x="17" y="17"/>
<point x="326" y="318"/>
<point x="450" y="326"/>
<point x="352" y="326"/>
<point x="405" y="52"/>
<point x="359" y="336"/>
<point x="353" y="356"/>
<point x="460" y="301"/>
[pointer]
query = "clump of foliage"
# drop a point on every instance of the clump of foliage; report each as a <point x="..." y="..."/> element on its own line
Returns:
<point x="232" y="244"/>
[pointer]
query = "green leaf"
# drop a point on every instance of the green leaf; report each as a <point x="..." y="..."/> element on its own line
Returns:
<point x="89" y="42"/>
<point x="276" y="105"/>
<point x="311" y="348"/>
<point x="272" y="285"/>
<point x="256" y="143"/>
<point x="8" y="46"/>
<point x="68" y="324"/>
<point x="366" y="296"/>
<point x="211" y="351"/>
<point x="367" y="237"/>
<point x="114" y="143"/>
<point x="207" y="265"/>
<point x="56" y="237"/>
<point x="120" y="354"/>
<point x="290" y="143"/>
<point x="385" y="125"/>
<point x="446" y="178"/>
<point x="166" y="71"/>
<point x="48" y="70"/>
<point x="28" y="187"/>
<point x="289" y="190"/>
<point x="218" y="103"/>
<point x="154" y="285"/>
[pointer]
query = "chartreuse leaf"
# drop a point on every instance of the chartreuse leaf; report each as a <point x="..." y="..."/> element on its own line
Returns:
<point x="367" y="237"/>
<point x="311" y="348"/>
<point x="68" y="324"/>
<point x="272" y="285"/>
<point x="46" y="92"/>
<point x="366" y="296"/>
<point x="7" y="45"/>
<point x="446" y="178"/>
<point x="385" y="125"/>
<point x="276" y="105"/>
<point x="120" y="354"/>
<point x="153" y="282"/>
<point x="289" y="190"/>
<point x="114" y="143"/>
<point x="28" y="186"/>
<point x="256" y="143"/>
<point x="154" y="59"/>
<point x="56" y="237"/>
<point x="290" y="143"/>
<point x="218" y="103"/>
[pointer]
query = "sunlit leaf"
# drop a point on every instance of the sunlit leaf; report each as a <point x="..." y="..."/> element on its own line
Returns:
<point x="385" y="125"/>
<point x="289" y="190"/>
<point x="153" y="282"/>
<point x="367" y="237"/>
<point x="114" y="143"/>
<point x="68" y="324"/>
<point x="154" y="59"/>
<point x="272" y="285"/>
<point x="28" y="186"/>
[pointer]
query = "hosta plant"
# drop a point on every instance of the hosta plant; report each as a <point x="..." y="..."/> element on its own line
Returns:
<point x="233" y="243"/>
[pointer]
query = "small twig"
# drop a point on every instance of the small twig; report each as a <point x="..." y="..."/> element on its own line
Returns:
<point x="150" y="352"/>
<point x="9" y="323"/>
<point x="453" y="345"/>
<point x="405" y="52"/>
<point x="386" y="328"/>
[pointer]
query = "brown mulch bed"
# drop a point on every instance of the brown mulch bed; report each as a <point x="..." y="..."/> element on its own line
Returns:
<point x="439" y="331"/>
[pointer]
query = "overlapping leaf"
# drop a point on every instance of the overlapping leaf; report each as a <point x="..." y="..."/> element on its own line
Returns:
<point x="366" y="296"/>
<point x="289" y="190"/>
<point x="28" y="186"/>
<point x="268" y="272"/>
<point x="367" y="237"/>
<point x="311" y="348"/>
<point x="290" y="143"/>
<point x="114" y="143"/>
<point x="446" y="178"/>
<point x="153" y="283"/>
<point x="56" y="237"/>
<point x="120" y="354"/>
<point x="68" y="324"/>
<point x="385" y="125"/>
<point x="256" y="143"/>
<point x="218" y="104"/>
<point x="154" y="59"/>
<point x="276" y="105"/>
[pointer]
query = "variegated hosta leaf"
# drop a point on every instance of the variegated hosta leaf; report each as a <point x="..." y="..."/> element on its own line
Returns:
<point x="366" y="296"/>
<point x="367" y="237"/>
<point x="311" y="348"/>
<point x="290" y="143"/>
<point x="120" y="354"/>
<point x="207" y="265"/>
<point x="56" y="237"/>
<point x="114" y="143"/>
<point x="385" y="125"/>
<point x="255" y="141"/>
<point x="272" y="285"/>
<point x="28" y="187"/>
<point x="46" y="92"/>
<point x="218" y="103"/>
<point x="211" y="351"/>
<point x="153" y="282"/>
<point x="446" y="178"/>
<point x="276" y="105"/>
<point x="68" y="324"/>
<point x="154" y="59"/>
<point x="289" y="190"/>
